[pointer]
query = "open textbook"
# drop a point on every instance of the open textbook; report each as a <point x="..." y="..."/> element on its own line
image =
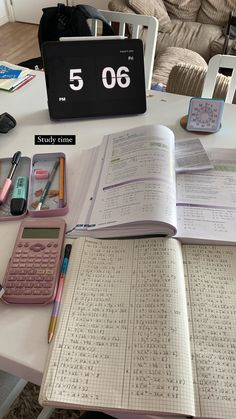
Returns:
<point x="127" y="187"/>
<point x="131" y="187"/>
<point x="146" y="326"/>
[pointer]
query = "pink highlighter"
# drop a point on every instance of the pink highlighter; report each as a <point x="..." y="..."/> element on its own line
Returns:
<point x="8" y="182"/>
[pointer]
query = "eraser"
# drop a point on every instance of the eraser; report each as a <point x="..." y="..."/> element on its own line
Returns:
<point x="41" y="174"/>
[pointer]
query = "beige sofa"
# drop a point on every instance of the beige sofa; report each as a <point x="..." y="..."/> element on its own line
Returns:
<point x="194" y="29"/>
<point x="193" y="24"/>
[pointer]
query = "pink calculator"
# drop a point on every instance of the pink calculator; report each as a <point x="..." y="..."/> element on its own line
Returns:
<point x="34" y="268"/>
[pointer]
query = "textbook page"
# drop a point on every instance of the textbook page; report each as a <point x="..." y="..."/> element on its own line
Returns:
<point x="122" y="339"/>
<point x="86" y="171"/>
<point x="210" y="273"/>
<point x="191" y="156"/>
<point x="206" y="201"/>
<point x="137" y="182"/>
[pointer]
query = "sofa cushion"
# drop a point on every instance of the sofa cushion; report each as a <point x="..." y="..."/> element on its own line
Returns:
<point x="154" y="8"/>
<point x="191" y="35"/>
<point x="216" y="11"/>
<point x="216" y="46"/>
<point x="169" y="58"/>
<point x="183" y="9"/>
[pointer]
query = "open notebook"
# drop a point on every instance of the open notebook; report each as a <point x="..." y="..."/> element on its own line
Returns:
<point x="147" y="326"/>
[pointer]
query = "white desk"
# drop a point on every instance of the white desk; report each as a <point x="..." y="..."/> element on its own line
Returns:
<point x="23" y="330"/>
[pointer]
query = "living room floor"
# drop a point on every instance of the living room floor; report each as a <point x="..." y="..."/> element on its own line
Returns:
<point x="18" y="42"/>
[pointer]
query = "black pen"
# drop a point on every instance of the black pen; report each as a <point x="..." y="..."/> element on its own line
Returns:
<point x="8" y="182"/>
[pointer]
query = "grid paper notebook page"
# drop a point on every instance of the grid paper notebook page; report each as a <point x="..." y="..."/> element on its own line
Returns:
<point x="122" y="339"/>
<point x="211" y="284"/>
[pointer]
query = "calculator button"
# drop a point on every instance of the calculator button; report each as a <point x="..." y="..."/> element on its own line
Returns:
<point x="37" y="247"/>
<point x="46" y="292"/>
<point x="36" y="292"/>
<point x="49" y="271"/>
<point x="37" y="265"/>
<point x="12" y="272"/>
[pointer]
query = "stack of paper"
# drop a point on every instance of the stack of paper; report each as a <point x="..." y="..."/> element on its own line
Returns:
<point x="13" y="76"/>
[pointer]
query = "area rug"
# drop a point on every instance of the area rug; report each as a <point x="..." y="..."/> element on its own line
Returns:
<point x="26" y="406"/>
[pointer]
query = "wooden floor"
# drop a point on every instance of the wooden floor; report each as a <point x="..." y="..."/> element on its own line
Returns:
<point x="18" y="42"/>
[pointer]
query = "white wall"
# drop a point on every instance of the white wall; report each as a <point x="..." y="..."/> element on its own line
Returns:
<point x="3" y="13"/>
<point x="99" y="4"/>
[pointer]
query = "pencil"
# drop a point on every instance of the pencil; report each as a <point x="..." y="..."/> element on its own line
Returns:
<point x="57" y="301"/>
<point x="48" y="184"/>
<point x="61" y="182"/>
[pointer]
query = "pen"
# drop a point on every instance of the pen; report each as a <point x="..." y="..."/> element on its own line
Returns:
<point x="48" y="184"/>
<point x="8" y="182"/>
<point x="61" y="183"/>
<point x="57" y="301"/>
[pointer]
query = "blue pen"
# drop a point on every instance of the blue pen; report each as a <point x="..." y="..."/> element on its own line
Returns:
<point x="1" y="291"/>
<point x="57" y="301"/>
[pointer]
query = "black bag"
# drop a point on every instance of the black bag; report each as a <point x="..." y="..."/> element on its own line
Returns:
<point x="66" y="21"/>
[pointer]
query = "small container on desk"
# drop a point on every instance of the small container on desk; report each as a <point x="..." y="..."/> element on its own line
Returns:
<point x="38" y="187"/>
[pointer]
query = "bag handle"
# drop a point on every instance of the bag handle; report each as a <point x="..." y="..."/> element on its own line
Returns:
<point x="90" y="12"/>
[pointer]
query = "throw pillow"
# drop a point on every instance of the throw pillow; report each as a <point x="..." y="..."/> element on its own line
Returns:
<point x="183" y="9"/>
<point x="154" y="8"/>
<point x="216" y="11"/>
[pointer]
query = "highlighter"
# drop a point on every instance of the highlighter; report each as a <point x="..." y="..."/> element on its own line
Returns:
<point x="8" y="182"/>
<point x="19" y="196"/>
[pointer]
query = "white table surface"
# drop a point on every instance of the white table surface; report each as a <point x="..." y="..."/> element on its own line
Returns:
<point x="23" y="329"/>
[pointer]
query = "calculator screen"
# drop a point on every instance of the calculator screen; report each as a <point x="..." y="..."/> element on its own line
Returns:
<point x="40" y="233"/>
